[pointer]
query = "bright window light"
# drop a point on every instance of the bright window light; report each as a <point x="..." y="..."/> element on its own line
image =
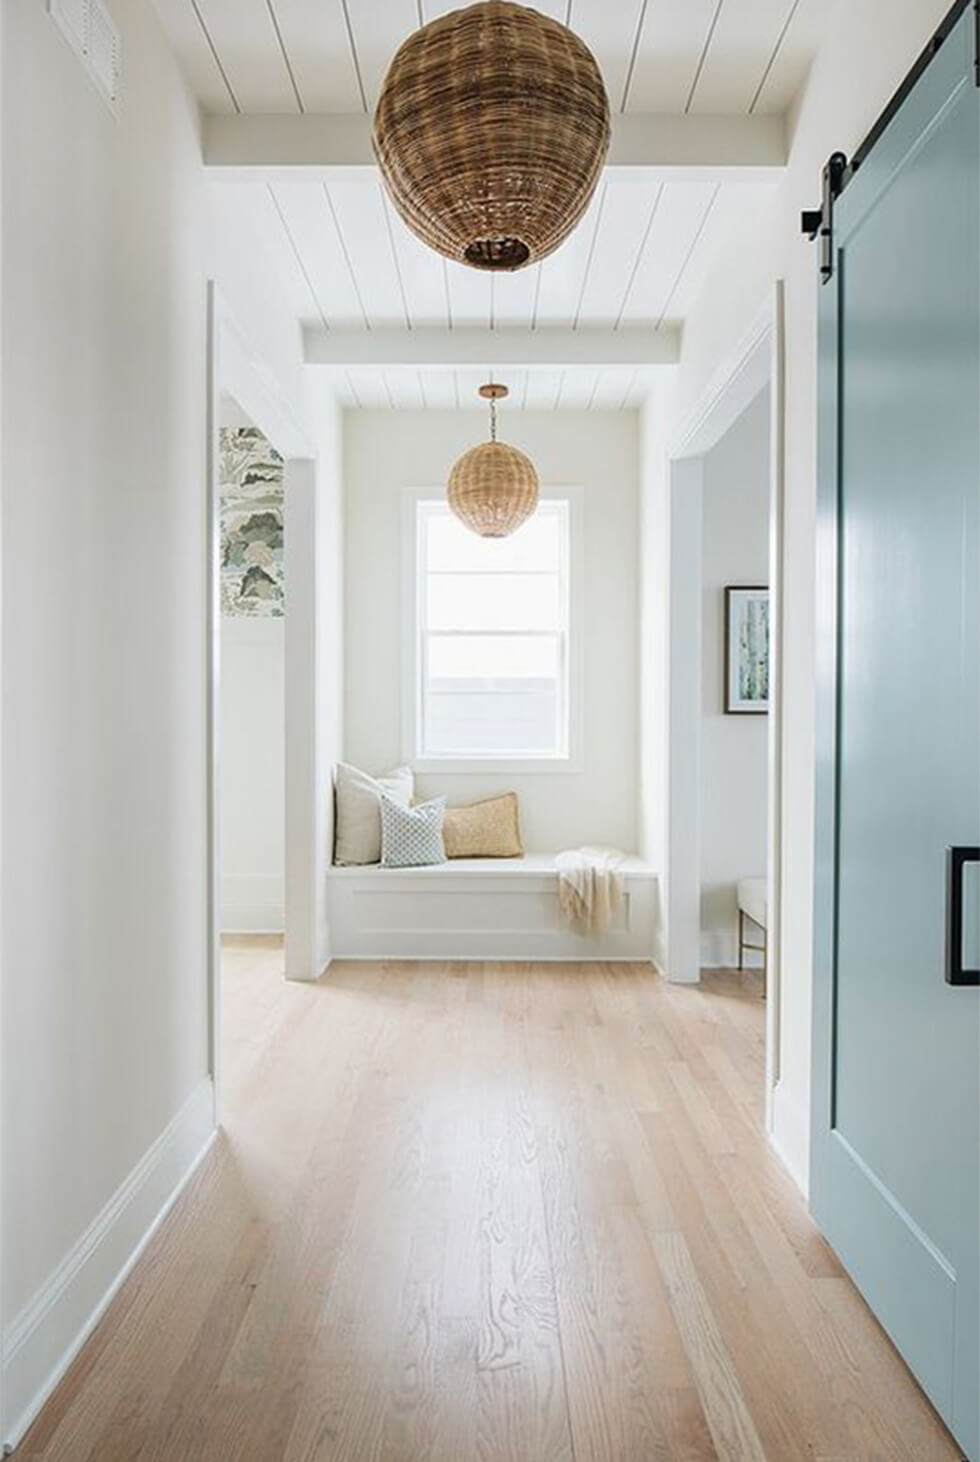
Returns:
<point x="492" y="646"/>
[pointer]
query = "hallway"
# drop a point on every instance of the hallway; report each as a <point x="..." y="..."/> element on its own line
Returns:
<point x="489" y="1212"/>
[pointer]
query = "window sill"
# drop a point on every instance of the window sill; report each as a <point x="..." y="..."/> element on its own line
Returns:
<point x="478" y="766"/>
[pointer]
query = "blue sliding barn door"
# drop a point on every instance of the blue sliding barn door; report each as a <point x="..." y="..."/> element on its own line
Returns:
<point x="896" y="1119"/>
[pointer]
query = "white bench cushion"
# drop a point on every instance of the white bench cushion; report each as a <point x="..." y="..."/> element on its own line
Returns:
<point x="531" y="865"/>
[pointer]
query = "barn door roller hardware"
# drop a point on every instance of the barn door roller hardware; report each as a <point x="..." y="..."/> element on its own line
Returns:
<point x="818" y="223"/>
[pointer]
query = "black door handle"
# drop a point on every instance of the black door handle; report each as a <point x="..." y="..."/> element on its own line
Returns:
<point x="956" y="859"/>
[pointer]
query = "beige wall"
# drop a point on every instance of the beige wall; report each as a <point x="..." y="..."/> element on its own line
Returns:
<point x="387" y="451"/>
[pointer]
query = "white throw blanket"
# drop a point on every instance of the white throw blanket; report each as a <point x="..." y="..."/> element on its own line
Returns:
<point x="590" y="887"/>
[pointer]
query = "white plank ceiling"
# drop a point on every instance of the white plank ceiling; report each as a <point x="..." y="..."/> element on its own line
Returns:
<point x="345" y="259"/>
<point x="710" y="56"/>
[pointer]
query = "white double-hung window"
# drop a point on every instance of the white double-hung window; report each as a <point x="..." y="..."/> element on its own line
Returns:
<point x="492" y="665"/>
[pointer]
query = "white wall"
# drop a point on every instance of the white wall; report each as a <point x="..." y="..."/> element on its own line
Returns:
<point x="314" y="679"/>
<point x="253" y="770"/>
<point x="867" y="50"/>
<point x="386" y="451"/>
<point x="330" y="645"/>
<point x="734" y="762"/>
<point x="110" y="232"/>
<point x="654" y="684"/>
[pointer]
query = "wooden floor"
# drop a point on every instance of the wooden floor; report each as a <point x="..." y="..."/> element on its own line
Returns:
<point x="487" y="1213"/>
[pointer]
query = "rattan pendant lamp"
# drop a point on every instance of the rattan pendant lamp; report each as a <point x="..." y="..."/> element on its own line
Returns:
<point x="490" y="132"/>
<point x="493" y="488"/>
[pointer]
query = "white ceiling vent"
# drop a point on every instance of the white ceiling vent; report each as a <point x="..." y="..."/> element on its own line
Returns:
<point x="93" y="35"/>
<point x="103" y="51"/>
<point x="72" y="17"/>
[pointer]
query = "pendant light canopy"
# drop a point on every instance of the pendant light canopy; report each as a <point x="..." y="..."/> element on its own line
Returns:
<point x="491" y="131"/>
<point x="493" y="488"/>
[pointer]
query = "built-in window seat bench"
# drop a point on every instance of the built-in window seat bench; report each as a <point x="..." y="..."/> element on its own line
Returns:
<point x="480" y="908"/>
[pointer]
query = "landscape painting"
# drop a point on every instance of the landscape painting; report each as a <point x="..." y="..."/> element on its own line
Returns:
<point x="251" y="481"/>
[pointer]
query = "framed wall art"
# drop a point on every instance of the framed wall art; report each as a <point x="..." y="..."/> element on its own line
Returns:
<point x="746" y="650"/>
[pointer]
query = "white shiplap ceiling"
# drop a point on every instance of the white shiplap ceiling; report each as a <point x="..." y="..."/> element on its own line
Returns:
<point x="606" y="388"/>
<point x="346" y="260"/>
<point x="708" y="56"/>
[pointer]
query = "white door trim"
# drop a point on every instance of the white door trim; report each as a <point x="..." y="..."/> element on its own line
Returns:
<point x="758" y="361"/>
<point x="234" y="367"/>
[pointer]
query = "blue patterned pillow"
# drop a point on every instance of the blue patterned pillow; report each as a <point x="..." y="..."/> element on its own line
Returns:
<point x="411" y="837"/>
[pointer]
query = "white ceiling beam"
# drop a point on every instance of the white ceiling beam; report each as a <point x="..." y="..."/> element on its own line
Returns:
<point x="512" y="347"/>
<point x="723" y="149"/>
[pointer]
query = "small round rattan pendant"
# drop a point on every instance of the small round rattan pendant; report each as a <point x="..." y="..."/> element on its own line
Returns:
<point x="491" y="131"/>
<point x="493" y="488"/>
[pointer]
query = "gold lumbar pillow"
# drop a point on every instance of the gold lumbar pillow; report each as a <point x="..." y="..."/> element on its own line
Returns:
<point x="489" y="829"/>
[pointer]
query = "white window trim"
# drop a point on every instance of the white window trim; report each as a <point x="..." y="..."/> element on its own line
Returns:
<point x="574" y="760"/>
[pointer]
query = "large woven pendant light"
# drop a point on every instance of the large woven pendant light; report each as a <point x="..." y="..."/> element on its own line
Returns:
<point x="493" y="487"/>
<point x="491" y="131"/>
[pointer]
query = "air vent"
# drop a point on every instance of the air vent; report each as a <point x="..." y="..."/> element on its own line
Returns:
<point x="72" y="18"/>
<point x="93" y="35"/>
<point x="103" y="51"/>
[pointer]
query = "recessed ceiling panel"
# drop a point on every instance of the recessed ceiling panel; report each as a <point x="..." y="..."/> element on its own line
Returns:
<point x="243" y="33"/>
<point x="747" y="35"/>
<point x="362" y="218"/>
<point x="787" y="68"/>
<point x="655" y="55"/>
<point x="310" y="229"/>
<point x="575" y="388"/>
<point x="469" y="295"/>
<point x="378" y="28"/>
<point x="669" y="54"/>
<point x="681" y="210"/>
<point x="563" y="273"/>
<point x="316" y="43"/>
<point x="422" y="274"/>
<point x="513" y="296"/>
<point x="609" y="29"/>
<point x="251" y="214"/>
<point x="200" y="65"/>
<point x="626" y="219"/>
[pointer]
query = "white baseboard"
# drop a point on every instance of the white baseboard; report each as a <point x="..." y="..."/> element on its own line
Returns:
<point x="300" y="971"/>
<point x="719" y="951"/>
<point x="41" y="1341"/>
<point x="790" y="1136"/>
<point x="252" y="905"/>
<point x="264" y="920"/>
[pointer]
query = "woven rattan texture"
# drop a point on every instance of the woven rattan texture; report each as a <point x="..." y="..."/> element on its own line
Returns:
<point x="491" y="131"/>
<point x="493" y="488"/>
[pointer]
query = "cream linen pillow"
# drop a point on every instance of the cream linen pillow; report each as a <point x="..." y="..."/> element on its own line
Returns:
<point x="357" y="837"/>
<point x="488" y="829"/>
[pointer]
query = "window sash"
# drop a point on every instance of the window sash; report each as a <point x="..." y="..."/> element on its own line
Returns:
<point x="560" y="509"/>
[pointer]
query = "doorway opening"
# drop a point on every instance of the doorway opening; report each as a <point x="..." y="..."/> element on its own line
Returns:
<point x="251" y="701"/>
<point x="724" y="768"/>
<point x="265" y="820"/>
<point x="733" y="770"/>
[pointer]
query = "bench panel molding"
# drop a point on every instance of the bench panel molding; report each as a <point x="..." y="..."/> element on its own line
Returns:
<point x="480" y="909"/>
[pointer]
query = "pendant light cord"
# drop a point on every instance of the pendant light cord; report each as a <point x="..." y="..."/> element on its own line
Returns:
<point x="493" y="419"/>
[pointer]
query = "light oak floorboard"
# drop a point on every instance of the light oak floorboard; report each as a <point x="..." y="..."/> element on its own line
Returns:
<point x="488" y="1213"/>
